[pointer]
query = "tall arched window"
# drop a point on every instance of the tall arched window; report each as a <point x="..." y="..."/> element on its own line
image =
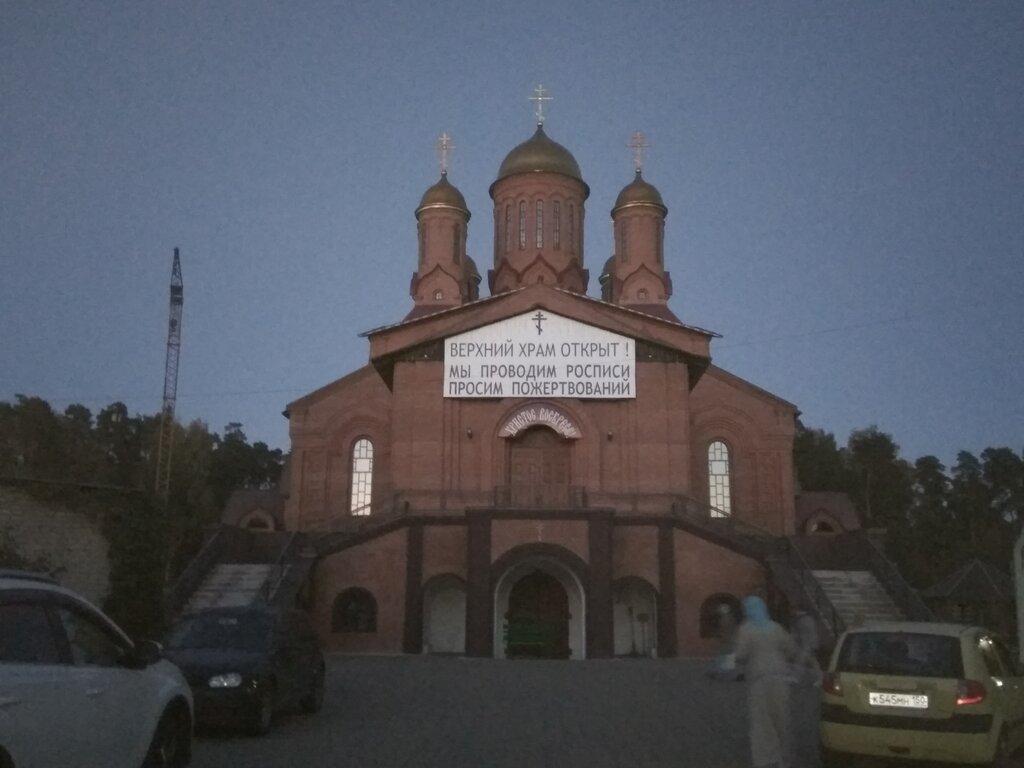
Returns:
<point x="362" y="477"/>
<point x="572" y="230"/>
<point x="522" y="224"/>
<point x="540" y="223"/>
<point x="556" y="225"/>
<point x="719" y="496"/>
<point x="508" y="228"/>
<point x="354" y="610"/>
<point x="456" y="242"/>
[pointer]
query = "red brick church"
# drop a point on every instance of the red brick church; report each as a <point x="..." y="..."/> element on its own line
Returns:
<point x="537" y="471"/>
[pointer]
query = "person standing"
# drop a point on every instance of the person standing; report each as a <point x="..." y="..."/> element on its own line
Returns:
<point x="805" y="630"/>
<point x="725" y="662"/>
<point x="765" y="650"/>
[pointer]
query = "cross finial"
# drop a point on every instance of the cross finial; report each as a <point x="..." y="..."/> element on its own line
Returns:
<point x="638" y="143"/>
<point x="540" y="97"/>
<point x="444" y="147"/>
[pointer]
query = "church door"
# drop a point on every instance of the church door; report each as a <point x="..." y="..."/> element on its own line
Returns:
<point x="539" y="469"/>
<point x="537" y="622"/>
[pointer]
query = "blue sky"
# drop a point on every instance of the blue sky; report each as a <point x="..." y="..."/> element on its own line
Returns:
<point x="845" y="184"/>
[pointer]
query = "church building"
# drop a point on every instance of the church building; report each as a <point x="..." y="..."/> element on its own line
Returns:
<point x="536" y="471"/>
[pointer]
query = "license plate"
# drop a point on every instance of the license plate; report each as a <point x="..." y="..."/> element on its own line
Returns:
<point x="909" y="700"/>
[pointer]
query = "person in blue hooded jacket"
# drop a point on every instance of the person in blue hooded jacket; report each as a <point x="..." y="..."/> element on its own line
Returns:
<point x="765" y="650"/>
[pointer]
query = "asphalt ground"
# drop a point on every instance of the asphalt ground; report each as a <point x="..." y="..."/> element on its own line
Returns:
<point x="453" y="712"/>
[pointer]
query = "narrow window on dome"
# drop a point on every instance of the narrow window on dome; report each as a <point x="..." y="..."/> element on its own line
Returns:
<point x="522" y="224"/>
<point x="423" y="243"/>
<point x="623" y="251"/>
<point x="556" y="225"/>
<point x="572" y="230"/>
<point x="661" y="242"/>
<point x="508" y="228"/>
<point x="362" y="477"/>
<point x="719" y="496"/>
<point x="540" y="223"/>
<point x="456" y="238"/>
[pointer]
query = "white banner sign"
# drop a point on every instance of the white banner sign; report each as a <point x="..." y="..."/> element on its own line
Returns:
<point x="540" y="354"/>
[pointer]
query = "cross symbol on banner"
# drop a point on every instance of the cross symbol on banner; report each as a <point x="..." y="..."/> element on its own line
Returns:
<point x="539" y="318"/>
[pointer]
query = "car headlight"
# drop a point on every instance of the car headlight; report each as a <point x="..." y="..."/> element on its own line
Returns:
<point x="228" y="680"/>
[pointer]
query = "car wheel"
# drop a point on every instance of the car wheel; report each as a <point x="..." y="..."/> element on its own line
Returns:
<point x="313" y="701"/>
<point x="1003" y="757"/>
<point x="172" y="742"/>
<point x="830" y="759"/>
<point x="263" y="717"/>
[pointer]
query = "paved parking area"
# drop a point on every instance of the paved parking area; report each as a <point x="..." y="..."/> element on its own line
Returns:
<point x="427" y="712"/>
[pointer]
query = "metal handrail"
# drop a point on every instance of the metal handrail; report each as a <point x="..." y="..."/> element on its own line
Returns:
<point x="190" y="579"/>
<point x="278" y="570"/>
<point x="817" y="600"/>
<point x="904" y="595"/>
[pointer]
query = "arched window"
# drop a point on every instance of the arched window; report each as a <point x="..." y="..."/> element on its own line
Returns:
<point x="423" y="242"/>
<point x="719" y="496"/>
<point x="540" y="223"/>
<point x="522" y="224"/>
<point x="508" y="228"/>
<point x="362" y="477"/>
<point x="456" y="242"/>
<point x="354" y="610"/>
<point x="556" y="224"/>
<point x="438" y="294"/>
<point x="572" y="230"/>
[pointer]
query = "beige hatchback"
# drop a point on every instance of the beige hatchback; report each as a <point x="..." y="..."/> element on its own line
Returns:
<point x="922" y="691"/>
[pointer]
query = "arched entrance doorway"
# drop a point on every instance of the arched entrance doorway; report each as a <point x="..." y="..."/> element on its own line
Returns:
<point x="444" y="615"/>
<point x="538" y="468"/>
<point x="539" y="608"/>
<point x="537" y="620"/>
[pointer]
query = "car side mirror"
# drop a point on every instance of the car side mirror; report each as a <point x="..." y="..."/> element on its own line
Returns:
<point x="147" y="653"/>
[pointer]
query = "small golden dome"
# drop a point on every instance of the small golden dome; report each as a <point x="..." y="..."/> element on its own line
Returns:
<point x="443" y="195"/>
<point x="639" y="192"/>
<point x="539" y="155"/>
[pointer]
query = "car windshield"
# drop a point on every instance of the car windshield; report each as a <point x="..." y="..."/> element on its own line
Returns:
<point x="236" y="631"/>
<point x="901" y="653"/>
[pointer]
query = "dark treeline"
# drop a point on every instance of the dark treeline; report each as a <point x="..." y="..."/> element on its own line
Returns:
<point x="105" y="466"/>
<point x="937" y="518"/>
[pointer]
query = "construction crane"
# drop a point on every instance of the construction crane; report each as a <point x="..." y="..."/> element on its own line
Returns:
<point x="163" y="455"/>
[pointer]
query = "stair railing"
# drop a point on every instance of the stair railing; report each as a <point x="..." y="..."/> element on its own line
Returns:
<point x="280" y="567"/>
<point x="743" y="536"/>
<point x="904" y="595"/>
<point x="190" y="578"/>
<point x="815" y="599"/>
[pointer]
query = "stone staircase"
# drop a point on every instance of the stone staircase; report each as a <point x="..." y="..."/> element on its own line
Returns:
<point x="858" y="596"/>
<point x="230" y="584"/>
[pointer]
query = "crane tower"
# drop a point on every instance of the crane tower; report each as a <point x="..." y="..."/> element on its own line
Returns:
<point x="163" y="456"/>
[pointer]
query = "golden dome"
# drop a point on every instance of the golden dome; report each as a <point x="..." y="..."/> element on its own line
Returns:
<point x="443" y="195"/>
<point x="539" y="155"/>
<point x="639" y="192"/>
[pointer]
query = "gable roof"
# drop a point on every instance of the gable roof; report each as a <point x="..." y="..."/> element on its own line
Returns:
<point x="975" y="582"/>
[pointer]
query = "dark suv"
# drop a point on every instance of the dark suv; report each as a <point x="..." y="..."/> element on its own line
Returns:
<point x="246" y="664"/>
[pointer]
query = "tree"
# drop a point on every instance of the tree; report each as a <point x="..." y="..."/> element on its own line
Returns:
<point x="819" y="463"/>
<point x="881" y="486"/>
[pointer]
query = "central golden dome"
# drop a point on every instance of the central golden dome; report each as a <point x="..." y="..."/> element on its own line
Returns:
<point x="539" y="155"/>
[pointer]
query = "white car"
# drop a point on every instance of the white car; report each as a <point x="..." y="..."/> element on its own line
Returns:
<point x="76" y="692"/>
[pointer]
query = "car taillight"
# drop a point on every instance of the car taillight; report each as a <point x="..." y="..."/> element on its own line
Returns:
<point x="830" y="684"/>
<point x="969" y="692"/>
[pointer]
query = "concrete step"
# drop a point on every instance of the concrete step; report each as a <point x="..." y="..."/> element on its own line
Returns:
<point x="857" y="596"/>
<point x="230" y="585"/>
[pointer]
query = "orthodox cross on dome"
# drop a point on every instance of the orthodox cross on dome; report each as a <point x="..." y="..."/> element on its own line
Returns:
<point x="444" y="147"/>
<point x="638" y="143"/>
<point x="540" y="97"/>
